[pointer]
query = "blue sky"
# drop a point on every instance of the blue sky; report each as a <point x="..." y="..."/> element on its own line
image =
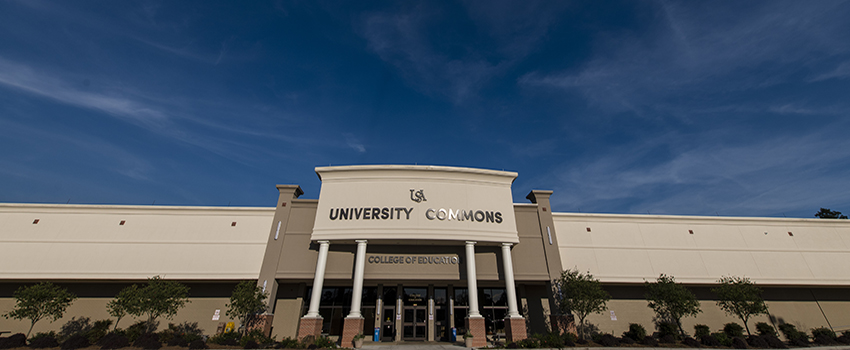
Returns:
<point x="697" y="108"/>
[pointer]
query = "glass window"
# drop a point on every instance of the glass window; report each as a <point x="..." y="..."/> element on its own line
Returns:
<point x="461" y="297"/>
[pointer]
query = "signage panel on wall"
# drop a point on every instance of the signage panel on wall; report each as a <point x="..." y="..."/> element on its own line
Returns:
<point x="415" y="202"/>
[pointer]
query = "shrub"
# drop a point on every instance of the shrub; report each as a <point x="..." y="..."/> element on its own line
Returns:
<point x="755" y="341"/>
<point x="74" y="326"/>
<point x="636" y="332"/>
<point x="691" y="342"/>
<point x="324" y="343"/>
<point x="177" y="341"/>
<point x="823" y="331"/>
<point x="795" y="337"/>
<point x="114" y="340"/>
<point x="608" y="340"/>
<point x="582" y="341"/>
<point x="739" y="343"/>
<point x="701" y="330"/>
<point x="40" y="335"/>
<point x="148" y="341"/>
<point x="289" y="343"/>
<point x="733" y="330"/>
<point x="13" y="341"/>
<point x="722" y="338"/>
<point x="765" y="329"/>
<point x="773" y="342"/>
<point x="843" y="339"/>
<point x="251" y="345"/>
<point x="823" y="339"/>
<point x="627" y="341"/>
<point x="649" y="341"/>
<point x="529" y="343"/>
<point x="198" y="344"/>
<point x="256" y="336"/>
<point x="569" y="338"/>
<point x="76" y="341"/>
<point x="98" y="330"/>
<point x="709" y="340"/>
<point x="228" y="338"/>
<point x="44" y="342"/>
<point x="667" y="339"/>
<point x="667" y="328"/>
<point x="137" y="329"/>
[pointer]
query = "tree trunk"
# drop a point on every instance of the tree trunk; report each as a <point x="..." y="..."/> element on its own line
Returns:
<point x="746" y="327"/>
<point x="32" y="324"/>
<point x="681" y="331"/>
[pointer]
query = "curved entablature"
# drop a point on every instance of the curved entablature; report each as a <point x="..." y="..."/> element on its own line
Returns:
<point x="415" y="202"/>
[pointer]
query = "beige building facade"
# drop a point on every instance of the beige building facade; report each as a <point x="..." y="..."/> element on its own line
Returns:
<point x="418" y="253"/>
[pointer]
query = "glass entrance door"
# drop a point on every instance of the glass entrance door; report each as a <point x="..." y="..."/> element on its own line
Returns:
<point x="415" y="314"/>
<point x="414" y="322"/>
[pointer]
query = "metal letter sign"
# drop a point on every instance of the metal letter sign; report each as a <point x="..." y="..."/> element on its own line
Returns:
<point x="417" y="196"/>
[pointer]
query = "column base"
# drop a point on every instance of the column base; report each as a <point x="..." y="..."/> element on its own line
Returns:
<point x="264" y="323"/>
<point x="515" y="329"/>
<point x="477" y="328"/>
<point x="563" y="324"/>
<point x="310" y="327"/>
<point x="351" y="326"/>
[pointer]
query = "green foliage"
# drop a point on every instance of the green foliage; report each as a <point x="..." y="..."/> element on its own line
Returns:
<point x="289" y="343"/>
<point x="792" y="334"/>
<point x="636" y="332"/>
<point x="765" y="329"/>
<point x="158" y="298"/>
<point x="825" y="213"/>
<point x="226" y="338"/>
<point x="733" y="330"/>
<point x="247" y="301"/>
<point x="580" y="294"/>
<point x="667" y="328"/>
<point x="324" y="343"/>
<point x="40" y="335"/>
<point x="137" y="329"/>
<point x="722" y="338"/>
<point x="43" y="300"/>
<point x="740" y="297"/>
<point x="823" y="331"/>
<point x="701" y="330"/>
<point x="257" y="336"/>
<point x="671" y="301"/>
<point x="128" y="301"/>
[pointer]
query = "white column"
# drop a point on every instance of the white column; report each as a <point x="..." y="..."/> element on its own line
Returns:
<point x="318" y="280"/>
<point x="471" y="281"/>
<point x="510" y="288"/>
<point x="357" y="293"/>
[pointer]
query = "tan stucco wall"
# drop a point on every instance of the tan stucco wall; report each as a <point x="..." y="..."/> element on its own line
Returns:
<point x="86" y="242"/>
<point x="634" y="248"/>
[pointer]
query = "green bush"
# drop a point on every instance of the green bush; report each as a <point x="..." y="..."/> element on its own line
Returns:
<point x="823" y="331"/>
<point x="289" y="343"/>
<point x="227" y="338"/>
<point x="636" y="332"/>
<point x="722" y="338"/>
<point x="324" y="343"/>
<point x="256" y="336"/>
<point x="701" y="330"/>
<point x="765" y="329"/>
<point x="792" y="334"/>
<point x="667" y="328"/>
<point x="137" y="329"/>
<point x="98" y="330"/>
<point x="40" y="335"/>
<point x="733" y="330"/>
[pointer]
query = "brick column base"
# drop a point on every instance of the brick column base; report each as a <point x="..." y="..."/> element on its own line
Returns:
<point x="563" y="324"/>
<point x="310" y="326"/>
<point x="264" y="323"/>
<point x="351" y="327"/>
<point x="515" y="329"/>
<point x="477" y="328"/>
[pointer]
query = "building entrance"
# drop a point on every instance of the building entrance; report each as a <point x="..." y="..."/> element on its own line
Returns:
<point x="414" y="316"/>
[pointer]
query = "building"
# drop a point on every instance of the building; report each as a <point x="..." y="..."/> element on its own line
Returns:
<point x="414" y="252"/>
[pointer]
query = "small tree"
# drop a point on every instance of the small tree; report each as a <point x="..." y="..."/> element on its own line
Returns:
<point x="128" y="301"/>
<point x="671" y="301"/>
<point x="825" y="213"/>
<point x="161" y="298"/>
<point x="740" y="297"/>
<point x="43" y="300"/>
<point x="580" y="294"/>
<point x="246" y="302"/>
